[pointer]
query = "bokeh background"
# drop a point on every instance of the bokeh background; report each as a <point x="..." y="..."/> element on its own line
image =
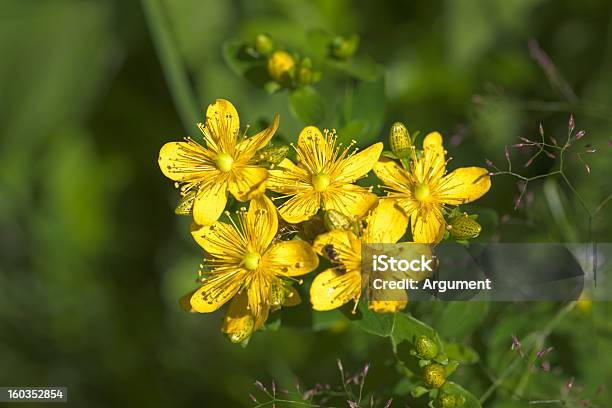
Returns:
<point x="93" y="259"/>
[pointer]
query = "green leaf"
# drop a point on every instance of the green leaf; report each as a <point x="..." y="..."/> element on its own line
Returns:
<point x="352" y="130"/>
<point x="389" y="154"/>
<point x="236" y="57"/>
<point x="407" y="328"/>
<point x="363" y="108"/>
<point x="307" y="105"/>
<point x="328" y="320"/>
<point x="245" y="65"/>
<point x="400" y="327"/>
<point x="460" y="352"/>
<point x="470" y="400"/>
<point x="362" y="68"/>
<point x="458" y="320"/>
<point x="380" y="324"/>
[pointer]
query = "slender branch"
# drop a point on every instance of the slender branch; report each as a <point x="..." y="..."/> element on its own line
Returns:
<point x="602" y="205"/>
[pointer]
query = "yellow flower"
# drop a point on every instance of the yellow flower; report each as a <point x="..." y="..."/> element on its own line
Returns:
<point x="225" y="163"/>
<point x="280" y="65"/>
<point x="345" y="281"/>
<point x="250" y="267"/>
<point x="424" y="188"/>
<point x="323" y="178"/>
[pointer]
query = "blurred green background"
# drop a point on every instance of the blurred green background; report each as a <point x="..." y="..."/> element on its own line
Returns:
<point x="93" y="259"/>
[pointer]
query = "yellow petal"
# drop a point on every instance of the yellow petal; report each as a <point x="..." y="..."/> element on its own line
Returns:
<point x="185" y="161"/>
<point x="387" y="306"/>
<point x="258" y="290"/>
<point x="238" y="322"/>
<point x="290" y="258"/>
<point x="392" y="174"/>
<point x="216" y="290"/>
<point x="350" y="200"/>
<point x="427" y="225"/>
<point x="222" y="125"/>
<point x="314" y="149"/>
<point x="464" y="185"/>
<point x="300" y="207"/>
<point x="359" y="164"/>
<point x="311" y="135"/>
<point x="433" y="141"/>
<point x="287" y="178"/>
<point x="246" y="180"/>
<point x="292" y="298"/>
<point x="331" y="289"/>
<point x="387" y="223"/>
<point x="249" y="146"/>
<point x="209" y="203"/>
<point x="262" y="221"/>
<point x="220" y="240"/>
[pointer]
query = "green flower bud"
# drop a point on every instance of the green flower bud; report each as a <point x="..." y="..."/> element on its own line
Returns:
<point x="434" y="376"/>
<point x="280" y="65"/>
<point x="446" y="401"/>
<point x="272" y="154"/>
<point x="264" y="44"/>
<point x="399" y="139"/>
<point x="463" y="227"/>
<point x="185" y="204"/>
<point x="304" y="76"/>
<point x="306" y="62"/>
<point x="426" y="347"/>
<point x="277" y="293"/>
<point x="459" y="400"/>
<point x="336" y="220"/>
<point x="343" y="47"/>
<point x="244" y="333"/>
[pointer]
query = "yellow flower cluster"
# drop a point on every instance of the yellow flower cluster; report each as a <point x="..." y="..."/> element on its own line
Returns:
<point x="250" y="264"/>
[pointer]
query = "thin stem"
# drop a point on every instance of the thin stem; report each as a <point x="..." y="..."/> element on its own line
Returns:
<point x="602" y="204"/>
<point x="597" y="111"/>
<point x="578" y="196"/>
<point x="532" y="337"/>
<point x="172" y="64"/>
<point x="302" y="403"/>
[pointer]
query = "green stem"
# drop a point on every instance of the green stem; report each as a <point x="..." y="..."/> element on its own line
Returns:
<point x="172" y="64"/>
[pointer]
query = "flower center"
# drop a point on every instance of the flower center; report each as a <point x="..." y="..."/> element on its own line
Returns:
<point x="251" y="261"/>
<point x="320" y="182"/>
<point x="421" y="191"/>
<point x="224" y="162"/>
